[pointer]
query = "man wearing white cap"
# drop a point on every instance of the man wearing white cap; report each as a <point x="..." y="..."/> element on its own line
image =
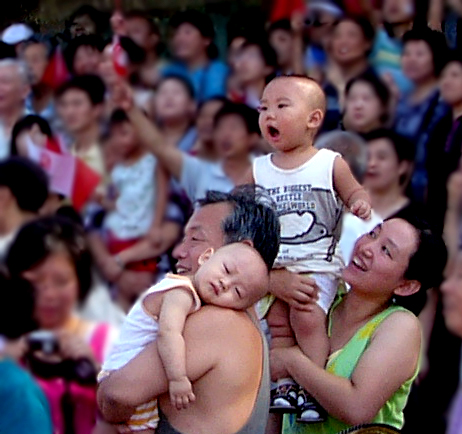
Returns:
<point x="16" y="34"/>
<point x="320" y="19"/>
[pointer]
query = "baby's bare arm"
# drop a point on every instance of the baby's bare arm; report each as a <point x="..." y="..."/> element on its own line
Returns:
<point x="353" y="195"/>
<point x="176" y="305"/>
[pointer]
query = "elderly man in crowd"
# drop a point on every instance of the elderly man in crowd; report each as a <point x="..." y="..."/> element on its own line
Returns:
<point x="14" y="89"/>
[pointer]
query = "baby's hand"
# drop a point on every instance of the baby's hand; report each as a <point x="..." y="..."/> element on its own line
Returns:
<point x="361" y="209"/>
<point x="181" y="394"/>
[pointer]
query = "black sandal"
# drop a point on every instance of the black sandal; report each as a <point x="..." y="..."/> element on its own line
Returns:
<point x="284" y="399"/>
<point x="309" y="410"/>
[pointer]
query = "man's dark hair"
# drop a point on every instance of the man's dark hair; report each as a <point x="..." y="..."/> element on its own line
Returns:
<point x="16" y="307"/>
<point x="435" y="41"/>
<point x="283" y="24"/>
<point x="42" y="237"/>
<point x="93" y="41"/>
<point x="92" y="85"/>
<point x="27" y="182"/>
<point x="248" y="115"/>
<point x="201" y="22"/>
<point x="253" y="218"/>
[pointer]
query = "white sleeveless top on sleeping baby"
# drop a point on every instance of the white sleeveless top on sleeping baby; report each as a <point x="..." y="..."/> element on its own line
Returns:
<point x="134" y="209"/>
<point x="309" y="210"/>
<point x="140" y="328"/>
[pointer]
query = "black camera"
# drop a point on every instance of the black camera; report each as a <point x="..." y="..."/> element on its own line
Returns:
<point x="44" y="360"/>
<point x="44" y="341"/>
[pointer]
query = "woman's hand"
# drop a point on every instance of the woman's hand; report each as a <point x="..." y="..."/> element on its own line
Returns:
<point x="279" y="358"/>
<point x="297" y="290"/>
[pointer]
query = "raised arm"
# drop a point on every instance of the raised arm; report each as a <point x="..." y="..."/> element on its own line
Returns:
<point x="170" y="157"/>
<point x="390" y="360"/>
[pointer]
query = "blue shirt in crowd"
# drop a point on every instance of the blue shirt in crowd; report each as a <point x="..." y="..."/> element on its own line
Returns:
<point x="208" y="81"/>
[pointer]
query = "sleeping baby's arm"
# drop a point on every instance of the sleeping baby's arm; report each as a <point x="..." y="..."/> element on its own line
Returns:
<point x="176" y="305"/>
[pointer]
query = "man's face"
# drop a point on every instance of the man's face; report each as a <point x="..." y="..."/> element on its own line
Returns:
<point x="76" y="110"/>
<point x="202" y="232"/>
<point x="13" y="91"/>
<point x="36" y="57"/>
<point x="398" y="11"/>
<point x="138" y="30"/>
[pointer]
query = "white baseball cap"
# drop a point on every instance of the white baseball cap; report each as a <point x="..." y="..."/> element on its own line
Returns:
<point x="16" y="33"/>
<point x="328" y="6"/>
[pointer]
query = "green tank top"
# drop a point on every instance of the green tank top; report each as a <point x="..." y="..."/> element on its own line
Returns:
<point x="342" y="363"/>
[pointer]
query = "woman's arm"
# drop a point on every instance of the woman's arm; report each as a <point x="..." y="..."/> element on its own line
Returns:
<point x="390" y="360"/>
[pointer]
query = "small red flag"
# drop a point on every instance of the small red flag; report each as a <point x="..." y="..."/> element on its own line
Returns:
<point x="85" y="182"/>
<point x="56" y="72"/>
<point x="119" y="58"/>
<point x="69" y="175"/>
<point x="282" y="9"/>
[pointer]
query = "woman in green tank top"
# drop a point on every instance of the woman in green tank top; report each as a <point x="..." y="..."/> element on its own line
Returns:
<point x="374" y="343"/>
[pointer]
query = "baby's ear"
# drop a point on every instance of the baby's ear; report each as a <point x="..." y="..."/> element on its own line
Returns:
<point x="315" y="119"/>
<point x="204" y="257"/>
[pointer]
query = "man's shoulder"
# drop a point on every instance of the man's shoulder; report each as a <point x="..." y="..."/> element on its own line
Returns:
<point x="214" y="321"/>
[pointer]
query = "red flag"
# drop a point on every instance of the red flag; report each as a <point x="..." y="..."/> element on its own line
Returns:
<point x="85" y="182"/>
<point x="119" y="58"/>
<point x="286" y="8"/>
<point x="56" y="72"/>
<point x="69" y="175"/>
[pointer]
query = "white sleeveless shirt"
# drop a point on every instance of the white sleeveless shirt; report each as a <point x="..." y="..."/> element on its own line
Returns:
<point x="139" y="327"/>
<point x="309" y="211"/>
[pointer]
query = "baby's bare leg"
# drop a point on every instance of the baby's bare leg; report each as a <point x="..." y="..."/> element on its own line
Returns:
<point x="279" y="325"/>
<point x="311" y="333"/>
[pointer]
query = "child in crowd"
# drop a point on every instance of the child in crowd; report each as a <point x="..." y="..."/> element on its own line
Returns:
<point x="235" y="134"/>
<point x="309" y="187"/>
<point x="80" y="105"/>
<point x="233" y="277"/>
<point x="83" y="54"/>
<point x="256" y="63"/>
<point x="206" y="112"/>
<point x="135" y="201"/>
<point x="281" y="38"/>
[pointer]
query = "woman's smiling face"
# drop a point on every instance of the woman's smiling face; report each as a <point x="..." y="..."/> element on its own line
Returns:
<point x="381" y="258"/>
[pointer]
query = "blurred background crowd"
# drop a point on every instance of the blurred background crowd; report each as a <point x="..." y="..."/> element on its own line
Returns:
<point x="90" y="215"/>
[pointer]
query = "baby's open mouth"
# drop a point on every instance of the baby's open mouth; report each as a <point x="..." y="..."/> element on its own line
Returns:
<point x="273" y="132"/>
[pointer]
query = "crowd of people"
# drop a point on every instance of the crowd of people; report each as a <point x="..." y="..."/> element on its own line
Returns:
<point x="265" y="240"/>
